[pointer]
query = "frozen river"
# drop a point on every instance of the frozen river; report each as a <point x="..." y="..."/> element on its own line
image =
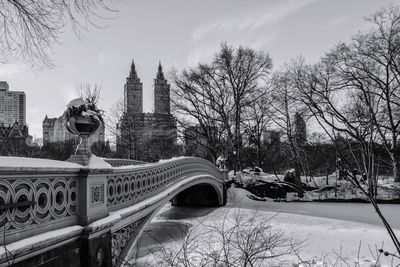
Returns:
<point x="355" y="212"/>
<point x="326" y="227"/>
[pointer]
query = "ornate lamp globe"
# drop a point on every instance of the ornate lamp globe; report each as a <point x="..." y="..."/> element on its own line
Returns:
<point x="82" y="119"/>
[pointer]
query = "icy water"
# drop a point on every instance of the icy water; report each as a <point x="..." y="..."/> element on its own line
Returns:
<point x="355" y="212"/>
<point x="325" y="226"/>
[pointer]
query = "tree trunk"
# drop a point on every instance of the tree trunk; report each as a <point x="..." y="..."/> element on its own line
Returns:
<point x="327" y="174"/>
<point x="395" y="165"/>
<point x="298" y="178"/>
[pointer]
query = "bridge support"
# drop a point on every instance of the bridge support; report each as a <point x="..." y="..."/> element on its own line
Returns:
<point x="96" y="249"/>
<point x="201" y="195"/>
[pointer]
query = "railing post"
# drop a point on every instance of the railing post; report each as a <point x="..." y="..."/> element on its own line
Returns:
<point x="96" y="249"/>
<point x="95" y="246"/>
<point x="92" y="196"/>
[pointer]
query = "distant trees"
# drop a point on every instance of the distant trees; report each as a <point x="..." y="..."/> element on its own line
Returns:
<point x="256" y="119"/>
<point x="102" y="149"/>
<point x="354" y="91"/>
<point x="286" y="116"/>
<point x="29" y="29"/>
<point x="58" y="150"/>
<point x="131" y="139"/>
<point x="369" y="67"/>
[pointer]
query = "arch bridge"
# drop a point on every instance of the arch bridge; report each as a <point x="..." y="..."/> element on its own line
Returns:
<point x="55" y="213"/>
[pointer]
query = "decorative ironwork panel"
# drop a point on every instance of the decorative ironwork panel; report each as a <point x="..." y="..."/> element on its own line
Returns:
<point x="134" y="185"/>
<point x="52" y="198"/>
<point x="97" y="194"/>
<point x="131" y="185"/>
<point x="122" y="239"/>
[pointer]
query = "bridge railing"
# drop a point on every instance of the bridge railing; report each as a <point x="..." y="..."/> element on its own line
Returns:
<point x="34" y="200"/>
<point x="129" y="185"/>
<point x="38" y="199"/>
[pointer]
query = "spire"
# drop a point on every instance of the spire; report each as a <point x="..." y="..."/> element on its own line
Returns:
<point x="160" y="74"/>
<point x="132" y="73"/>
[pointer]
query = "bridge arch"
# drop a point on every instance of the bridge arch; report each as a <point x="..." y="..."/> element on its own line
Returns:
<point x="126" y="233"/>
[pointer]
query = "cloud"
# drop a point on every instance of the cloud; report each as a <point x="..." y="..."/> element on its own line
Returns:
<point x="253" y="21"/>
<point x="339" y="21"/>
<point x="261" y="42"/>
<point x="201" y="53"/>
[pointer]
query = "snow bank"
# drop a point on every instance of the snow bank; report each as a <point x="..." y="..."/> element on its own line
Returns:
<point x="324" y="238"/>
<point x="98" y="163"/>
<point x="35" y="163"/>
<point x="76" y="103"/>
<point x="37" y="242"/>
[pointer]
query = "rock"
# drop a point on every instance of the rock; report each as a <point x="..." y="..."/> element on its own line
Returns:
<point x="290" y="176"/>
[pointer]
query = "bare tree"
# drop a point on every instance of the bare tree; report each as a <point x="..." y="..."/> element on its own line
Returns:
<point x="90" y="93"/>
<point x="217" y="93"/>
<point x="123" y="127"/>
<point x="136" y="137"/>
<point x="29" y="29"/>
<point x="238" y="242"/>
<point x="337" y="109"/>
<point x="285" y="105"/>
<point x="257" y="117"/>
<point x="368" y="68"/>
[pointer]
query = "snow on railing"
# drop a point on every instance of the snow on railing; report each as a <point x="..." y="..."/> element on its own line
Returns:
<point x="123" y="162"/>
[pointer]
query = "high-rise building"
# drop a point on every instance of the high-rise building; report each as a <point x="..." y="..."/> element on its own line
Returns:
<point x="138" y="130"/>
<point x="12" y="106"/>
<point x="300" y="130"/>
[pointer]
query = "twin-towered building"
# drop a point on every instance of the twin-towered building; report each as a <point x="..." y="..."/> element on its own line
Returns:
<point x="138" y="131"/>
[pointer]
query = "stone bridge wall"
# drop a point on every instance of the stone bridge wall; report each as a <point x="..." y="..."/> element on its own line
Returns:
<point x="45" y="208"/>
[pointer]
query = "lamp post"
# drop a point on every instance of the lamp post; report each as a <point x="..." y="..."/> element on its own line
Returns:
<point x="234" y="162"/>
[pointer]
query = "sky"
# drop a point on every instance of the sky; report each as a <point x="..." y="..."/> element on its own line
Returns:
<point x="180" y="34"/>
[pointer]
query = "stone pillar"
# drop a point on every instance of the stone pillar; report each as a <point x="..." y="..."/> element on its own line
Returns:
<point x="92" y="196"/>
<point x="95" y="246"/>
<point x="96" y="249"/>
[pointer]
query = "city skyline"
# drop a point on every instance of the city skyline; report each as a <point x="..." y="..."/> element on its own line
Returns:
<point x="284" y="29"/>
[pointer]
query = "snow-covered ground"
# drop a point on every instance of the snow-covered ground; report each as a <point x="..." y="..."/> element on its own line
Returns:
<point x="336" y="189"/>
<point x="324" y="239"/>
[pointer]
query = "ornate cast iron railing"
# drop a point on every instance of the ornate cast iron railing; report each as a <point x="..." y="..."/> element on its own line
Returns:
<point x="127" y="186"/>
<point x="36" y="200"/>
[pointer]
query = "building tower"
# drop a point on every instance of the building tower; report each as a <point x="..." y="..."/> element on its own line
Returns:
<point x="161" y="93"/>
<point x="12" y="106"/>
<point x="133" y="92"/>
